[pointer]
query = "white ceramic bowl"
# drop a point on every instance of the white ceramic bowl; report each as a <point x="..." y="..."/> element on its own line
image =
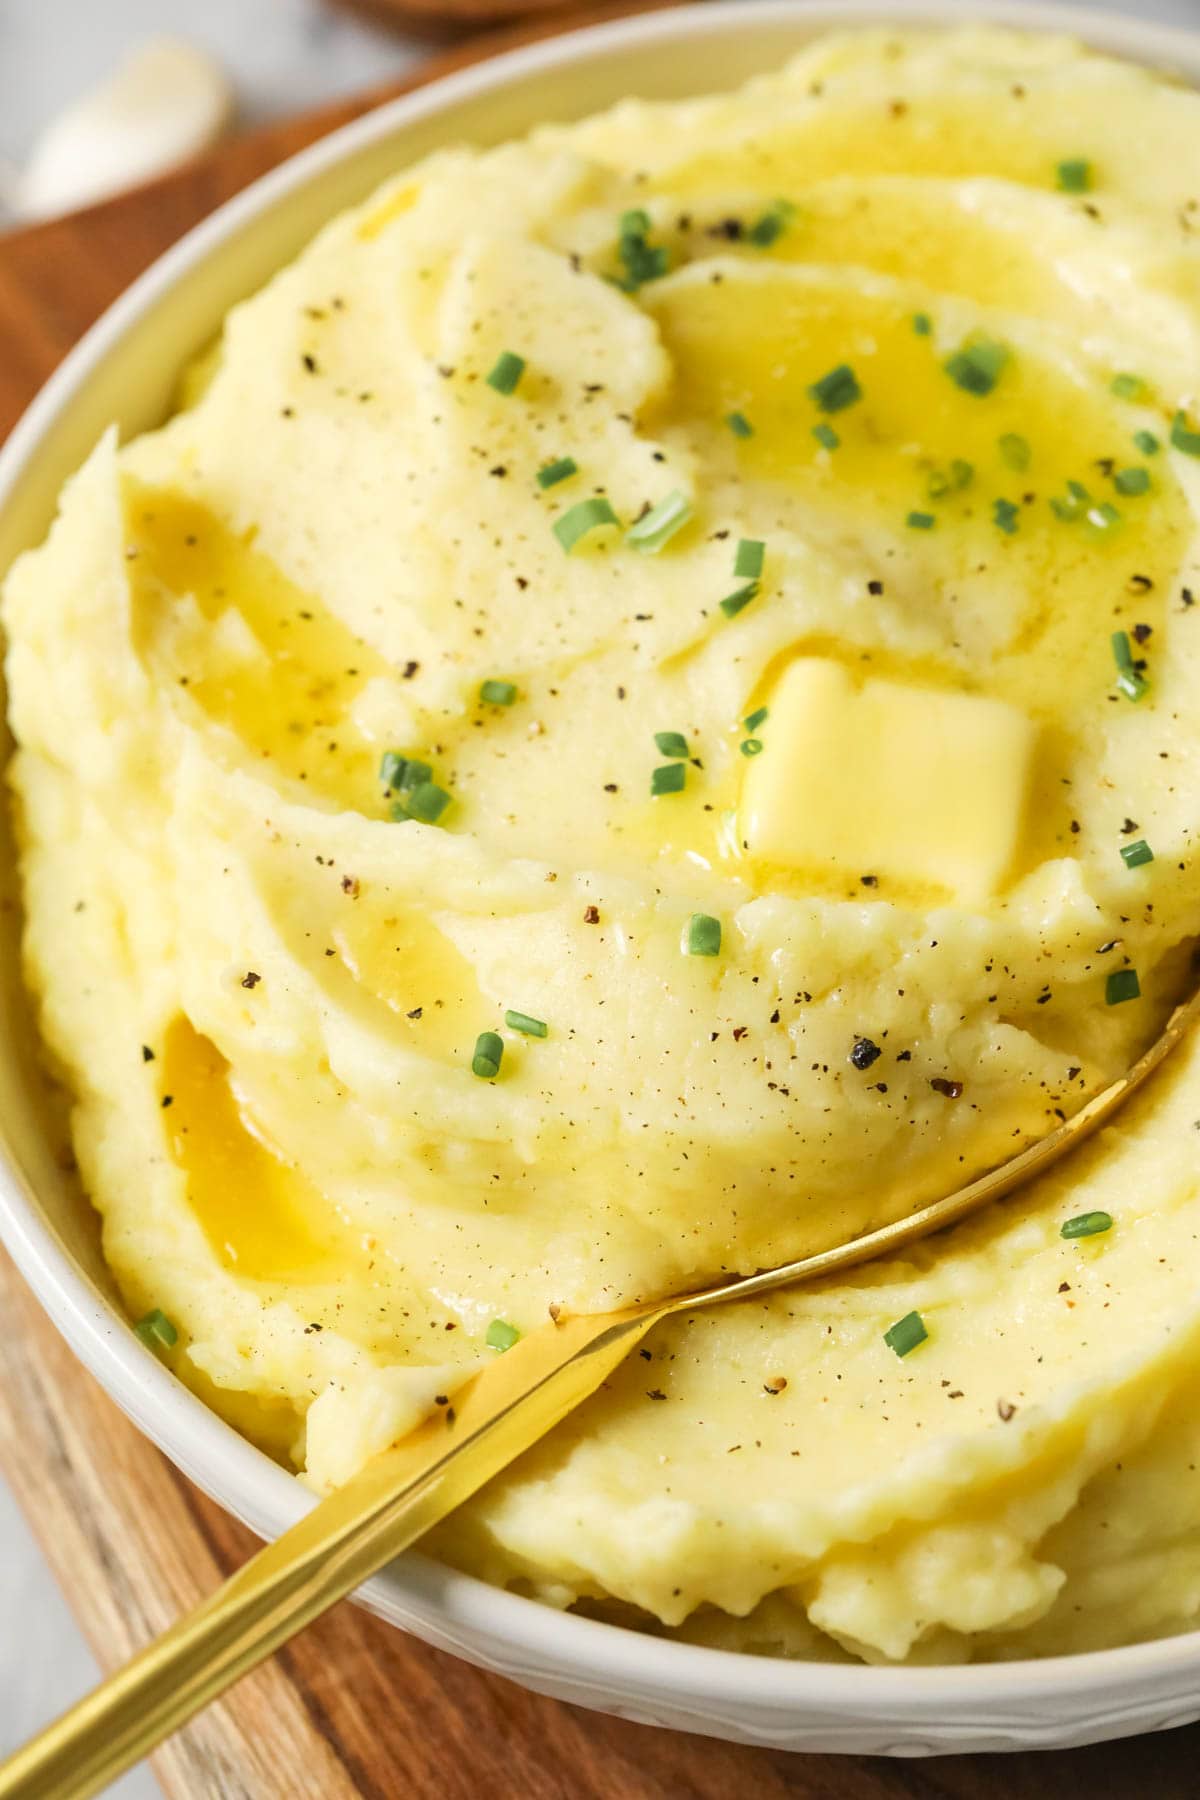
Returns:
<point x="125" y="370"/>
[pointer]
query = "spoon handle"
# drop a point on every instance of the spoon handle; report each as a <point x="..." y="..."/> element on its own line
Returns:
<point x="333" y="1549"/>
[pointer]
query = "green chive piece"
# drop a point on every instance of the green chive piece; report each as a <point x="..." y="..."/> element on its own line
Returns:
<point x="501" y="1335"/>
<point x="758" y="717"/>
<point x="497" y="693"/>
<point x="1075" y="505"/>
<point x="921" y="521"/>
<point x="519" y="1021"/>
<point x="976" y="367"/>
<point x="1086" y="1225"/>
<point x="702" y="936"/>
<point x="671" y="743"/>
<point x="739" y="424"/>
<point x="398" y="812"/>
<point x="906" y="1334"/>
<point x="771" y="224"/>
<point x="642" y="260"/>
<point x="1133" y="685"/>
<point x="1127" y="387"/>
<point x="1122" y="984"/>
<point x="1135" y="854"/>
<point x="551" y="473"/>
<point x="1132" y="481"/>
<point x="749" y="558"/>
<point x="668" y="778"/>
<point x="1122" y="649"/>
<point x="733" y="603"/>
<point x="157" y="1331"/>
<point x="837" y="390"/>
<point x="751" y="746"/>
<point x="1104" y="516"/>
<point x="659" y="525"/>
<point x="487" y="1055"/>
<point x="584" y="516"/>
<point x="1014" y="450"/>
<point x="400" y="774"/>
<point x="1147" y="443"/>
<point x="1007" y="515"/>
<point x="391" y="769"/>
<point x="505" y="372"/>
<point x="962" y="474"/>
<point x="1074" y="175"/>
<point x="922" y="324"/>
<point x="1183" y="437"/>
<point x="427" y="802"/>
<point x="826" y="436"/>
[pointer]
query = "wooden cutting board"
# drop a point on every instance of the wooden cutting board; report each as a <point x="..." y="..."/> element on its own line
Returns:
<point x="352" y="1707"/>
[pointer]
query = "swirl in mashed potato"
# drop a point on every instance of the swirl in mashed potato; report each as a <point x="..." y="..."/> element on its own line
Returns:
<point x="874" y="384"/>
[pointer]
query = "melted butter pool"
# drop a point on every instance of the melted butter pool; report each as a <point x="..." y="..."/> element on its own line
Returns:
<point x="288" y="696"/>
<point x="263" y="1219"/>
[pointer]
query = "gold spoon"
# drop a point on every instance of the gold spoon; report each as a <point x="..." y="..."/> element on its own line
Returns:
<point x="496" y="1415"/>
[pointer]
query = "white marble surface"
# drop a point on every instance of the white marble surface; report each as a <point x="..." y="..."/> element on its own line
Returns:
<point x="284" y="55"/>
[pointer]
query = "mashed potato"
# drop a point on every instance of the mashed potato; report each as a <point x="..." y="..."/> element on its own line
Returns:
<point x="639" y="720"/>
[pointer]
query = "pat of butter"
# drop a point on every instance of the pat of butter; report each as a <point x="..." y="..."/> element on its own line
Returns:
<point x="915" y="784"/>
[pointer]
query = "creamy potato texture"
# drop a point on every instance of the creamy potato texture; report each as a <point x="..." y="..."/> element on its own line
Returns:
<point x="715" y="581"/>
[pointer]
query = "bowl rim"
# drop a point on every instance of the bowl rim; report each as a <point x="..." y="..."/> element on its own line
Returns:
<point x="416" y="1591"/>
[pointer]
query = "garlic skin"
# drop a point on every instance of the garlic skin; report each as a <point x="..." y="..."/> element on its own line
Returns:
<point x="167" y="101"/>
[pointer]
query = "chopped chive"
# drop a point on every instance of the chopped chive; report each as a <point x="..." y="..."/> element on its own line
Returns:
<point x="501" y="1335"/>
<point x="749" y="558"/>
<point x="487" y="1055"/>
<point x="551" y="473"/>
<point x="427" y="802"/>
<point x="1014" y="450"/>
<point x="391" y="769"/>
<point x="1074" y="175"/>
<point x="1086" y="1225"/>
<point x="398" y="812"/>
<point x="1135" y="854"/>
<point x="1076" y="503"/>
<point x="668" y="778"/>
<point x="1103" y="517"/>
<point x="1122" y="649"/>
<point x="519" y="1021"/>
<point x="659" y="525"/>
<point x="505" y="372"/>
<point x="400" y="774"/>
<point x="642" y="260"/>
<point x="739" y="424"/>
<point x="702" y="936"/>
<point x="771" y="224"/>
<point x="837" y="390"/>
<point x="671" y="743"/>
<point x="1132" y="481"/>
<point x="751" y="746"/>
<point x="758" y="717"/>
<point x="906" y="1334"/>
<point x="1133" y="685"/>
<point x="1146" y="442"/>
<point x="1183" y="437"/>
<point x="733" y="603"/>
<point x="584" y="516"/>
<point x="961" y="473"/>
<point x="1122" y="984"/>
<point x="921" y="521"/>
<point x="940" y="482"/>
<point x="1127" y="387"/>
<point x="826" y="436"/>
<point x="976" y="367"/>
<point x="157" y="1331"/>
<point x="1007" y="515"/>
<point x="497" y="693"/>
<point x="922" y="324"/>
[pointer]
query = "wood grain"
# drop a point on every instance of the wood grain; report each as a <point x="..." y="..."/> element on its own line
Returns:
<point x="353" y="1708"/>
